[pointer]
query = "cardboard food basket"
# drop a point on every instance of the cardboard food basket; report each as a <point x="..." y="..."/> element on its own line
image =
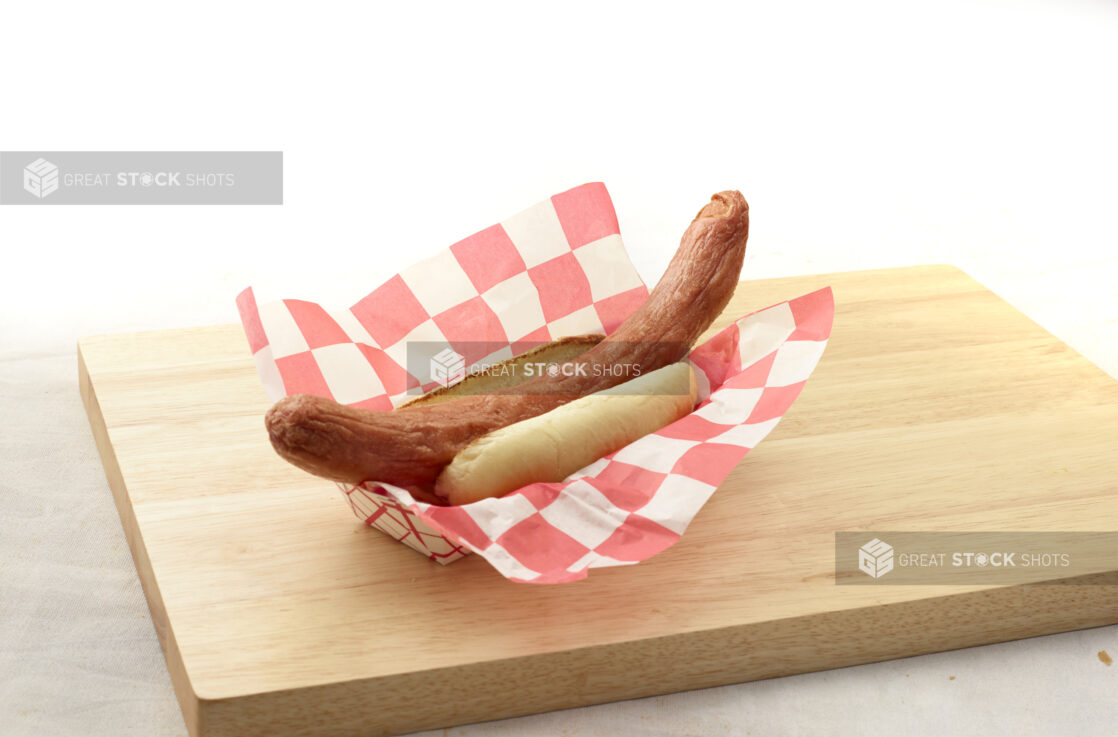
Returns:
<point x="556" y="269"/>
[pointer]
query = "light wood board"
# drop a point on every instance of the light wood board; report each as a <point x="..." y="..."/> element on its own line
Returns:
<point x="937" y="406"/>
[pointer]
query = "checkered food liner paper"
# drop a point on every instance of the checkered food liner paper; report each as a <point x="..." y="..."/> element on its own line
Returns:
<point x="558" y="268"/>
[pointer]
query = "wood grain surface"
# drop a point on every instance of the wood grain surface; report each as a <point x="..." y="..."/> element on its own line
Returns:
<point x="937" y="406"/>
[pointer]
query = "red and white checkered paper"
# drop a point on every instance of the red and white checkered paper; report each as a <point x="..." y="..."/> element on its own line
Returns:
<point x="558" y="268"/>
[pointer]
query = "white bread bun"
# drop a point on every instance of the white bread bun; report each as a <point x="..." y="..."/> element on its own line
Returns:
<point x="554" y="445"/>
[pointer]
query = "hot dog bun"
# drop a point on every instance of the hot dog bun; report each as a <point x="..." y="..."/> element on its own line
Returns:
<point x="551" y="446"/>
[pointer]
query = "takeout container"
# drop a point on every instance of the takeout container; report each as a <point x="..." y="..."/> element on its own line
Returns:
<point x="558" y="268"/>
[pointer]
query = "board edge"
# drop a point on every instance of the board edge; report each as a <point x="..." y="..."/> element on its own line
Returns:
<point x="480" y="692"/>
<point x="187" y="698"/>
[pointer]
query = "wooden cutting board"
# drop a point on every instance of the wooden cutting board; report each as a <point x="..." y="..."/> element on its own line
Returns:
<point x="937" y="406"/>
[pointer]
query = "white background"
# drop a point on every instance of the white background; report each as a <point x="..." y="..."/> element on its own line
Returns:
<point x="864" y="135"/>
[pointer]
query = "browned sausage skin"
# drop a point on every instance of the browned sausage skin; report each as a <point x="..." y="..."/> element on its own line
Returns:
<point x="411" y="445"/>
